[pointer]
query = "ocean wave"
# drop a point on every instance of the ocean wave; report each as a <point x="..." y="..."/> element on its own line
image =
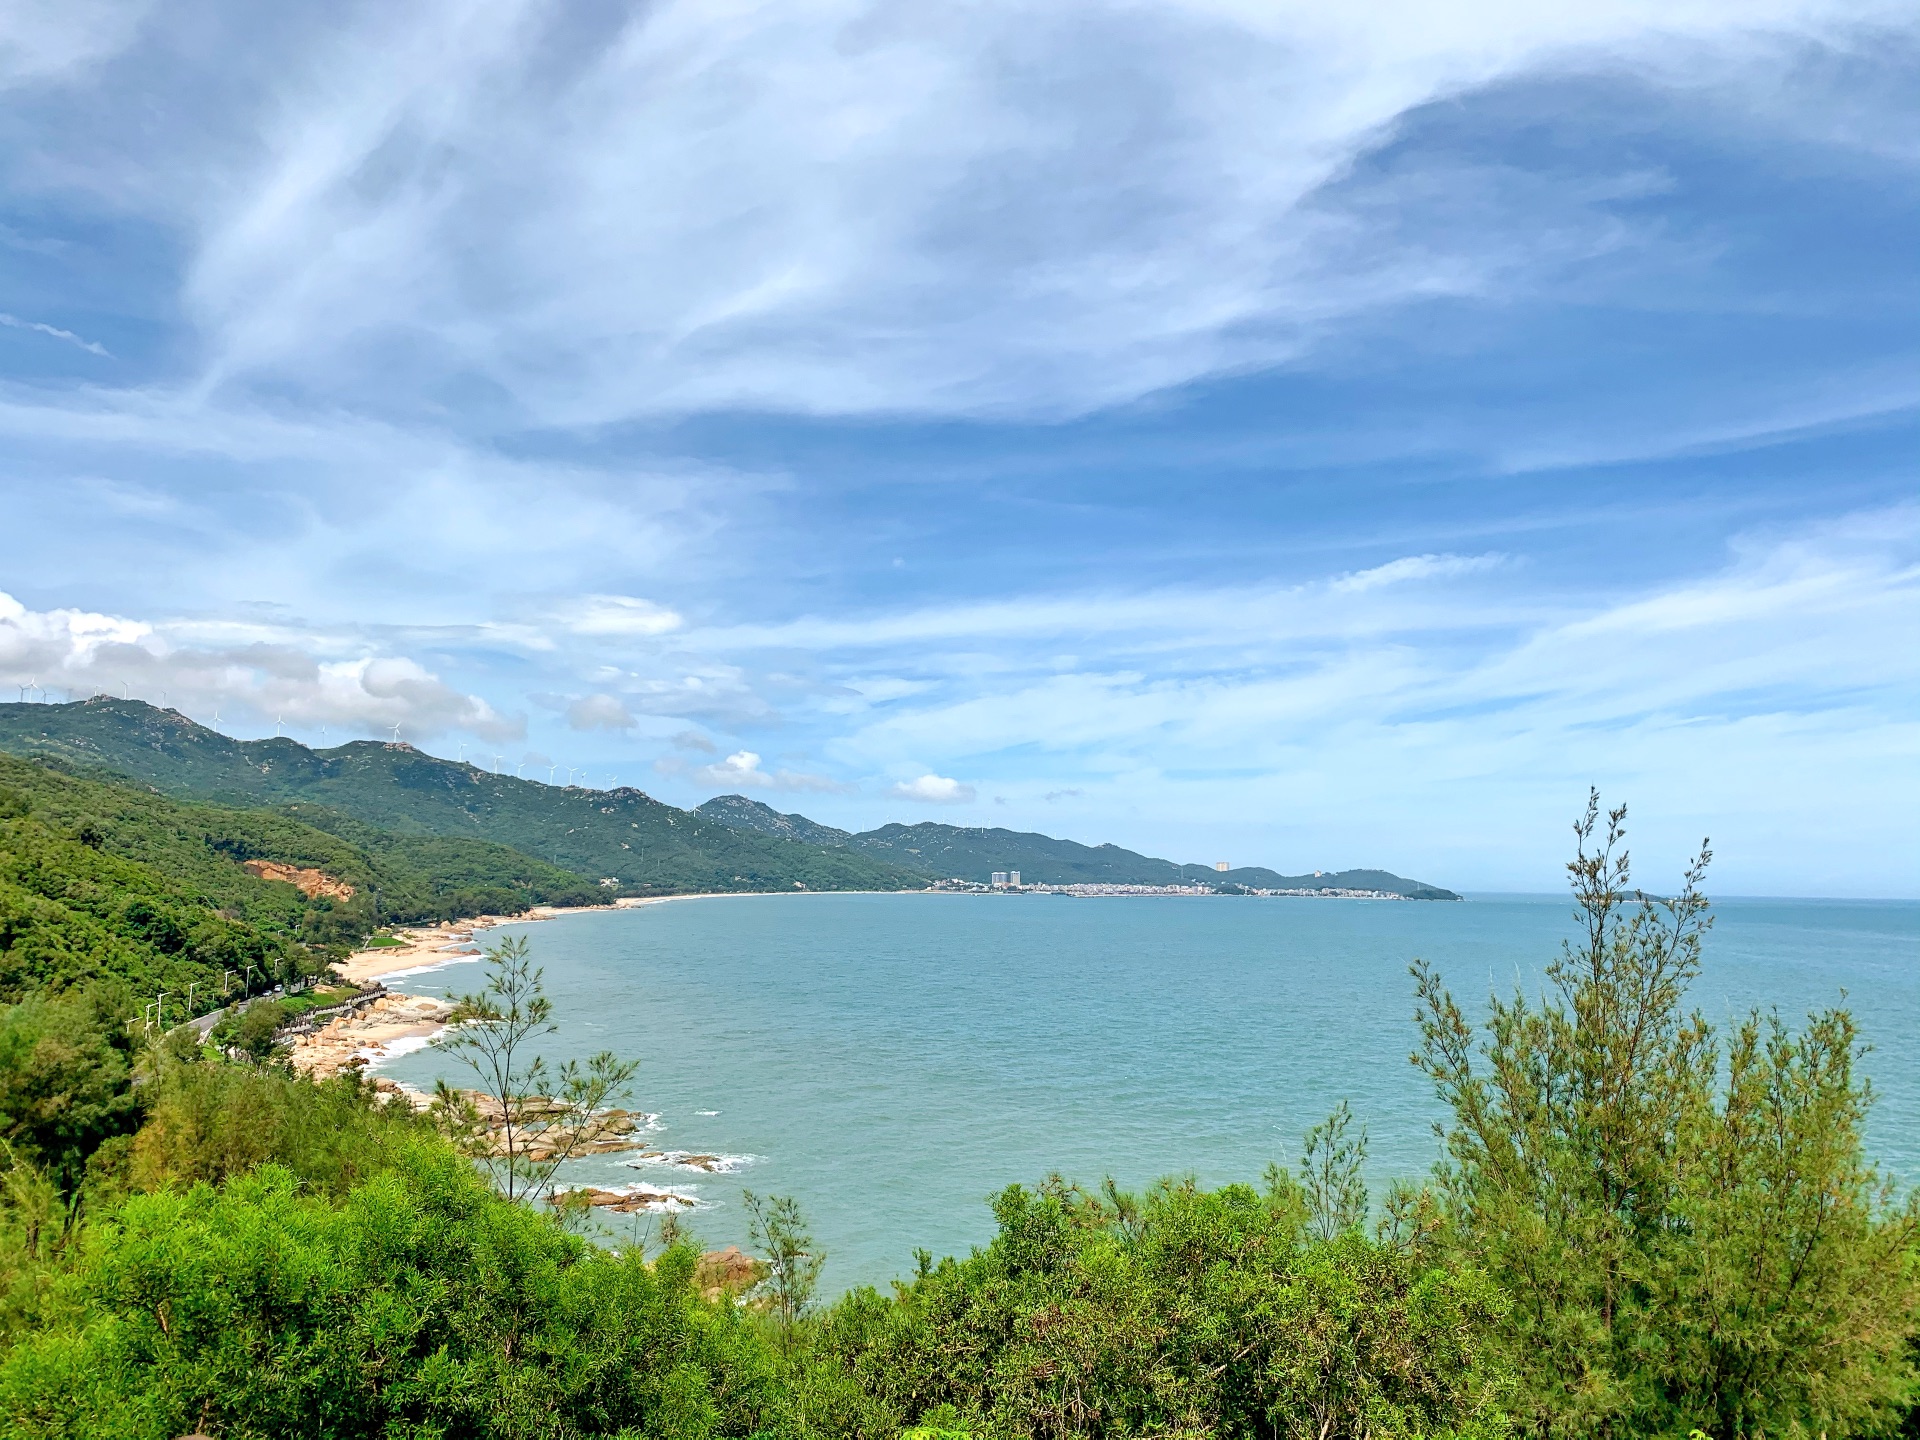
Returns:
<point x="634" y="1199"/>
<point x="435" y="965"/>
<point x="706" y="1164"/>
<point x="378" y="1055"/>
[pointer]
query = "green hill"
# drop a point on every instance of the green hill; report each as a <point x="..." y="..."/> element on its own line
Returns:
<point x="76" y="916"/>
<point x="391" y="877"/>
<point x="623" y="835"/>
<point x="971" y="853"/>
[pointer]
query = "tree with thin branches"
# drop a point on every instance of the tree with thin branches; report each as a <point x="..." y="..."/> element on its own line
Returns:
<point x="1685" y="1222"/>
<point x="528" y="1120"/>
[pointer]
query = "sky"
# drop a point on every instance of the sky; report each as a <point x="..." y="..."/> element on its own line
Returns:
<point x="1301" y="435"/>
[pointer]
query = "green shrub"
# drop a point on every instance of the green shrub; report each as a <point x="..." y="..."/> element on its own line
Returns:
<point x="422" y="1304"/>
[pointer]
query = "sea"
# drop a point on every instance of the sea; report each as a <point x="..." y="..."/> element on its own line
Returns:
<point x="894" y="1061"/>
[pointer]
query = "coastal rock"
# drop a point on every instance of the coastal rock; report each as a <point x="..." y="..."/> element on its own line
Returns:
<point x="350" y="1041"/>
<point x="688" y="1160"/>
<point x="727" y="1272"/>
<point x="633" y="1200"/>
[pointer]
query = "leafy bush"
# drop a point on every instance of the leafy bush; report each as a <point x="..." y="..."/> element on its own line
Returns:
<point x="1183" y="1312"/>
<point x="421" y="1305"/>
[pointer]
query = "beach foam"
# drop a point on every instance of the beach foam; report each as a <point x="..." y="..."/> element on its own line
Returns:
<point x="706" y="1164"/>
<point x="434" y="965"/>
<point x="378" y="1054"/>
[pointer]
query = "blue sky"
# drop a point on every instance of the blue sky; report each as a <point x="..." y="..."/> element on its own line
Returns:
<point x="1237" y="431"/>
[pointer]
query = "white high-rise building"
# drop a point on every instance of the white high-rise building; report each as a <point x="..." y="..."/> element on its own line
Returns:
<point x="999" y="879"/>
<point x="1221" y="865"/>
<point x="1013" y="877"/>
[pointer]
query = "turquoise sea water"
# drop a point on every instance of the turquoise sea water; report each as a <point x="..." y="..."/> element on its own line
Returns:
<point x="893" y="1060"/>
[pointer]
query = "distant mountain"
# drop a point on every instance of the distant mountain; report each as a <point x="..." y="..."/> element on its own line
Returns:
<point x="624" y="835"/>
<point x="971" y="853"/>
<point x="740" y="813"/>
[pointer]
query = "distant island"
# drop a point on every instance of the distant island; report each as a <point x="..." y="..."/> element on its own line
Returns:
<point x="613" y="843"/>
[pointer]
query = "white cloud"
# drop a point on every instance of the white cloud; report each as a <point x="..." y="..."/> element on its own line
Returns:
<point x="263" y="675"/>
<point x="934" y="790"/>
<point x="852" y="207"/>
<point x="741" y="770"/>
<point x="1411" y="568"/>
<point x="1772" y="694"/>
<point x="619" y="615"/>
<point x="1347" y="606"/>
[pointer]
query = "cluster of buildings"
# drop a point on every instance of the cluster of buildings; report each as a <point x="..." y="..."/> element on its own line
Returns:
<point x="1005" y="880"/>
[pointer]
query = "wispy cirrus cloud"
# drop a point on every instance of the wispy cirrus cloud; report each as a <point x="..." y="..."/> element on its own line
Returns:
<point x="40" y="327"/>
<point x="980" y="211"/>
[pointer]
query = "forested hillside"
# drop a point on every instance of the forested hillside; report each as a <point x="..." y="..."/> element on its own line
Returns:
<point x="78" y="918"/>
<point x="624" y="835"/>
<point x="973" y="853"/>
<point x="377" y="877"/>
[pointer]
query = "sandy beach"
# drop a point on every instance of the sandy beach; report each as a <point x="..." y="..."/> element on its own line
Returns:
<point x="452" y="942"/>
<point x="397" y="1023"/>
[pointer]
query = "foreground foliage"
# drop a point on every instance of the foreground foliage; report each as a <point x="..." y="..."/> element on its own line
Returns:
<point x="419" y="1305"/>
<point x="1184" y="1313"/>
<point x="1686" y="1224"/>
<point x="1644" y="1227"/>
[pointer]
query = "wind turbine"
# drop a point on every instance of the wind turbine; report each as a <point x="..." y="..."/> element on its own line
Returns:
<point x="396" y="733"/>
<point x="279" y="724"/>
<point x="520" y="771"/>
<point x="216" y="714"/>
<point x="550" y="770"/>
<point x="461" y="757"/>
<point x="496" y="764"/>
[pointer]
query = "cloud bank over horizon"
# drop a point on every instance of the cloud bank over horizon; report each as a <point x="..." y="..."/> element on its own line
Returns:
<point x="1326" y="438"/>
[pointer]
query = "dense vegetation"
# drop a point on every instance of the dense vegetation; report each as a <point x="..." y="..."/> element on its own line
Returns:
<point x="394" y="878"/>
<point x="622" y="835"/>
<point x="75" y="916"/>
<point x="964" y="852"/>
<point x="1643" y="1228"/>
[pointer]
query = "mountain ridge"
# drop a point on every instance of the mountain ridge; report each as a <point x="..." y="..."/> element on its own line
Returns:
<point x="625" y="839"/>
<point x="967" y="852"/>
<point x="640" y="844"/>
